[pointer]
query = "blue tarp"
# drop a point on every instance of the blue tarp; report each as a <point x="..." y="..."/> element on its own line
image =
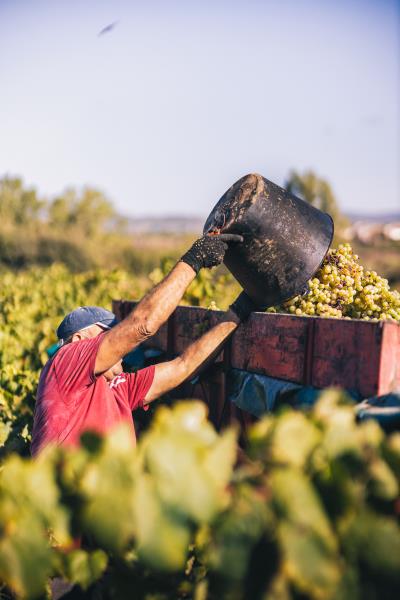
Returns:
<point x="259" y="394"/>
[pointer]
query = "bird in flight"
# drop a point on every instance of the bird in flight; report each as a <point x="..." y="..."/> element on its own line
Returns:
<point x="107" y="29"/>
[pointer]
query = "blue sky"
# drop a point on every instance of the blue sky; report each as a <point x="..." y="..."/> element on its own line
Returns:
<point x="181" y="99"/>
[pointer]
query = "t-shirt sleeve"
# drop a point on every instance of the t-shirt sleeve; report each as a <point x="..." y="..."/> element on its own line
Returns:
<point x="139" y="384"/>
<point x="74" y="365"/>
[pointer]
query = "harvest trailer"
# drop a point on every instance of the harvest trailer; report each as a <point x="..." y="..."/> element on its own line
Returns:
<point x="360" y="356"/>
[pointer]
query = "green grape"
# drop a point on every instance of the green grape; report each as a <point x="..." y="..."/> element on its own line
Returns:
<point x="343" y="289"/>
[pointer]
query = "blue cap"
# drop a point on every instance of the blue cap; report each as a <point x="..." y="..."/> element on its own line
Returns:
<point x="83" y="317"/>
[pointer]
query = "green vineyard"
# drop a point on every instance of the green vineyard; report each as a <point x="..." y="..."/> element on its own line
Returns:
<point x="308" y="509"/>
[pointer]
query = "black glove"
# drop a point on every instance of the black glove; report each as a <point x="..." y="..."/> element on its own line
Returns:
<point x="243" y="306"/>
<point x="209" y="250"/>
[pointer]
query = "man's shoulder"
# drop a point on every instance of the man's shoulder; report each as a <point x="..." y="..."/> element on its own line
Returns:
<point x="65" y="353"/>
<point x="69" y="356"/>
<point x="76" y="349"/>
<point x="71" y="368"/>
<point x="53" y="364"/>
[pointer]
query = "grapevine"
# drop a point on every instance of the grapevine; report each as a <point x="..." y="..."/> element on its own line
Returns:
<point x="314" y="497"/>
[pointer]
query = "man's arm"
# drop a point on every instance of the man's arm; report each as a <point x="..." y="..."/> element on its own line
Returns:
<point x="170" y="374"/>
<point x="156" y="307"/>
<point x="146" y="318"/>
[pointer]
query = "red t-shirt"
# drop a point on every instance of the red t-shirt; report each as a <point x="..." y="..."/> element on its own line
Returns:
<point x="71" y="399"/>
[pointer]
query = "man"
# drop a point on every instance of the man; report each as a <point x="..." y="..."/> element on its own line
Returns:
<point x="83" y="386"/>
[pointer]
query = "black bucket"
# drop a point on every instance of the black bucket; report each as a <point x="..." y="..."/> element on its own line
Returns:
<point x="285" y="238"/>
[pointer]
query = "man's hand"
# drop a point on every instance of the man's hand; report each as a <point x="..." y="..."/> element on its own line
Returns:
<point x="209" y="250"/>
<point x="243" y="306"/>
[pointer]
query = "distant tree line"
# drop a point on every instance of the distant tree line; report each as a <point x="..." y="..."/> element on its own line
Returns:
<point x="89" y="210"/>
<point x="79" y="228"/>
<point x="83" y="229"/>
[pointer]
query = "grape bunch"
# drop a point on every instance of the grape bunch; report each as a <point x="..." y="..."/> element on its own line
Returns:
<point x="342" y="288"/>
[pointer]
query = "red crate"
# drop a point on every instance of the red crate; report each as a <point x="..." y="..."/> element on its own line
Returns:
<point x="363" y="356"/>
